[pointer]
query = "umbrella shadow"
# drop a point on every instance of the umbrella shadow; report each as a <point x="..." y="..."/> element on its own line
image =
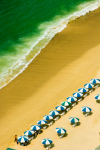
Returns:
<point x="89" y="114"/>
<point x="65" y="135"/>
<point x="25" y="144"/>
<point x="98" y="101"/>
<point x="78" y="124"/>
<point x="51" y="145"/>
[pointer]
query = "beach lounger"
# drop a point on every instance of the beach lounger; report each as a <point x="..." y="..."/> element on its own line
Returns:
<point x="68" y="109"/>
<point x="56" y="118"/>
<point x="73" y="104"/>
<point x="31" y="138"/>
<point x="85" y="95"/>
<point x="48" y="147"/>
<point x="63" y="113"/>
<point x="50" y="123"/>
<point x="86" y="114"/>
<point x="79" y="99"/>
<point x="96" y="86"/>
<point x="74" y="124"/>
<point x="62" y="135"/>
<point x="44" y="127"/>
<point x="91" y="90"/>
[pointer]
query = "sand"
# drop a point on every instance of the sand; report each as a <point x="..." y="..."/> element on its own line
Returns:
<point x="69" y="61"/>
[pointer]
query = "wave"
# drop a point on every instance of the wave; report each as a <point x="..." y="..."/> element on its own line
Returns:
<point x="35" y="44"/>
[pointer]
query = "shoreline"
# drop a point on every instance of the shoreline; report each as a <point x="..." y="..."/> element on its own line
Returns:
<point x="19" y="66"/>
<point x="50" y="77"/>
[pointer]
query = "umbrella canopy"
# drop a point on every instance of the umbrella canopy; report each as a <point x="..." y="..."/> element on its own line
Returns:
<point x="60" y="107"/>
<point x="54" y="113"/>
<point x="29" y="132"/>
<point x="41" y="122"/>
<point x="46" y="141"/>
<point x="83" y="90"/>
<point x="73" y="119"/>
<point x="65" y="103"/>
<point x="97" y="97"/>
<point x="88" y="85"/>
<point x="86" y="109"/>
<point x="77" y="94"/>
<point x="35" y="127"/>
<point x="47" y="117"/>
<point x="71" y="99"/>
<point x="60" y="130"/>
<point x="22" y="139"/>
<point x="94" y="81"/>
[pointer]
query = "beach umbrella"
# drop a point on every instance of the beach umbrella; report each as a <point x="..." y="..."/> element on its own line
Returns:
<point x="86" y="109"/>
<point x="83" y="90"/>
<point x="46" y="141"/>
<point x="60" y="107"/>
<point x="71" y="99"/>
<point x="88" y="85"/>
<point x="60" y="130"/>
<point x="35" y="127"/>
<point x="94" y="81"/>
<point x="47" y="117"/>
<point x="29" y="132"/>
<point x="77" y="94"/>
<point x="22" y="139"/>
<point x="73" y="119"/>
<point x="41" y="122"/>
<point x="97" y="97"/>
<point x="54" y="113"/>
<point x="65" y="103"/>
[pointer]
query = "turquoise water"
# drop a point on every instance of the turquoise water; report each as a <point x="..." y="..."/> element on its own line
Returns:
<point x="26" y="26"/>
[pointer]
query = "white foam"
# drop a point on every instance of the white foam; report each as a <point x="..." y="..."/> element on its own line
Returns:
<point x="20" y="65"/>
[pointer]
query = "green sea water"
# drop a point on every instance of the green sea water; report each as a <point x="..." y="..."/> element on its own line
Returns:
<point x="26" y="26"/>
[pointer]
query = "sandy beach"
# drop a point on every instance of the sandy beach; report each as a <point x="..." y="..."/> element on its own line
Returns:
<point x="69" y="61"/>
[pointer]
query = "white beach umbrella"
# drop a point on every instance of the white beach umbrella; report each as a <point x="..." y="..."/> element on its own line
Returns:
<point x="73" y="119"/>
<point x="71" y="99"/>
<point x="47" y="117"/>
<point x="60" y="130"/>
<point x="35" y="127"/>
<point x="22" y="139"/>
<point x="95" y="80"/>
<point x="29" y="132"/>
<point x="41" y="122"/>
<point x="60" y="107"/>
<point x="83" y="90"/>
<point x="77" y="94"/>
<point x="54" y="113"/>
<point x="46" y="141"/>
<point x="88" y="85"/>
<point x="86" y="109"/>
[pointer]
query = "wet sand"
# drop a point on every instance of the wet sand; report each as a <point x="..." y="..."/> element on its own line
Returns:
<point x="69" y="61"/>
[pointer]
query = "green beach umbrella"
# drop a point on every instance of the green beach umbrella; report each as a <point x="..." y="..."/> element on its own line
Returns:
<point x="65" y="103"/>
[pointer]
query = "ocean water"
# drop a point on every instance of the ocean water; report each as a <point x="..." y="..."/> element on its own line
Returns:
<point x="27" y="26"/>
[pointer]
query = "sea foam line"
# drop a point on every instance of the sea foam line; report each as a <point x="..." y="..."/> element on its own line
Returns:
<point x="48" y="35"/>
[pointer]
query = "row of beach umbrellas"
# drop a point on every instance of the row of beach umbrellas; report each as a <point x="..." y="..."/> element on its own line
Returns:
<point x="59" y="108"/>
<point x="24" y="138"/>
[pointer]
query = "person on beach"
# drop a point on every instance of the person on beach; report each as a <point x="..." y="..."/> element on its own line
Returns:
<point x="99" y="136"/>
<point x="16" y="140"/>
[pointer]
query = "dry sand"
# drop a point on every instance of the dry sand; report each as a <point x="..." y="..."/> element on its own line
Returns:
<point x="69" y="61"/>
